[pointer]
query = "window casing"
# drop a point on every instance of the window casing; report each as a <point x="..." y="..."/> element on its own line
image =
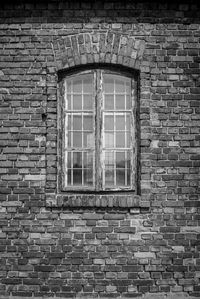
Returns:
<point x="99" y="148"/>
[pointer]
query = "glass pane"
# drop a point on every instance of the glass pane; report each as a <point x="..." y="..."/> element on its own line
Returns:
<point x="69" y="99"/>
<point x="77" y="159"/>
<point x="119" y="86"/>
<point x="128" y="177"/>
<point x="120" y="122"/>
<point x="77" y="85"/>
<point x="69" y="139"/>
<point x="87" y="83"/>
<point x="88" y="176"/>
<point x="109" y="102"/>
<point x="120" y="102"/>
<point x="120" y="159"/>
<point x="69" y="86"/>
<point x="77" y="104"/>
<point x="77" y="122"/>
<point x="68" y="159"/>
<point x="128" y="86"/>
<point x="109" y="176"/>
<point x="77" y="177"/>
<point x="88" y="139"/>
<point x="88" y="160"/>
<point x="109" y="159"/>
<point x="128" y="159"/>
<point x="109" y="122"/>
<point x="128" y="139"/>
<point x="77" y="139"/>
<point x="109" y="139"/>
<point x="128" y="102"/>
<point x="108" y="84"/>
<point x="69" y="122"/>
<point x="88" y="102"/>
<point x="88" y="168"/>
<point x="69" y="172"/>
<point x="120" y="139"/>
<point x="88" y="122"/>
<point x="120" y="177"/>
<point x="128" y="122"/>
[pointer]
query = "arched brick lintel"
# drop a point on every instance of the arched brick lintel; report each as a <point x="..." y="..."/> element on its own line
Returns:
<point x="98" y="48"/>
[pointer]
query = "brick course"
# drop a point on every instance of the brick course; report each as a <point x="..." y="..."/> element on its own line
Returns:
<point x="60" y="245"/>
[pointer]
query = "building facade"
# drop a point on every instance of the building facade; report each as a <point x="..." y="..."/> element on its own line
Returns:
<point x="99" y="149"/>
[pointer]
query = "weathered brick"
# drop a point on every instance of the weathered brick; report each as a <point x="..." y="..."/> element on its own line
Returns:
<point x="109" y="245"/>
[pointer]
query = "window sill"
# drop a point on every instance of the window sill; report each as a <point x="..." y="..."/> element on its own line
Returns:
<point x="96" y="200"/>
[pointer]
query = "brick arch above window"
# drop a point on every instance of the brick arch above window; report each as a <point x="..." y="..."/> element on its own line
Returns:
<point x="98" y="47"/>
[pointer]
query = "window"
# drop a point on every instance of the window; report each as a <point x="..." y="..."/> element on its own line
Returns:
<point x="99" y="128"/>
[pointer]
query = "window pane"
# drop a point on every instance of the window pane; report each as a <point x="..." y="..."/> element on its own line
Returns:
<point x="120" y="122"/>
<point x="77" y="102"/>
<point x="109" y="159"/>
<point x="120" y="177"/>
<point x="88" y="102"/>
<point x="77" y="139"/>
<point x="88" y="122"/>
<point x="88" y="168"/>
<point x="128" y="86"/>
<point x="68" y="159"/>
<point x="128" y="177"/>
<point x="109" y="139"/>
<point x="69" y="104"/>
<point x="109" y="122"/>
<point x="88" y="177"/>
<point x="109" y="102"/>
<point x="120" y="139"/>
<point x="88" y="139"/>
<point x="128" y="122"/>
<point x="108" y="84"/>
<point x="120" y="102"/>
<point x="87" y="83"/>
<point x="77" y="159"/>
<point x="69" y="177"/>
<point x="69" y="86"/>
<point x="69" y="120"/>
<point x="88" y="159"/>
<point x="69" y="143"/>
<point x="119" y="86"/>
<point x="77" y="176"/>
<point x="109" y="176"/>
<point x="77" y="122"/>
<point x="128" y="141"/>
<point x="128" y="102"/>
<point x="77" y="85"/>
<point x="120" y="159"/>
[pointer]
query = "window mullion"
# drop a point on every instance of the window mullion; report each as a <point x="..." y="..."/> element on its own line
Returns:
<point x="133" y="137"/>
<point x="98" y="89"/>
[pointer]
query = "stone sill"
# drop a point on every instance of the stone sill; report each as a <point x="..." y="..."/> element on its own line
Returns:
<point x="96" y="201"/>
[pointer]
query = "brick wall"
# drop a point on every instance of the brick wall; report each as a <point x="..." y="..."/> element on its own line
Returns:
<point x="58" y="245"/>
